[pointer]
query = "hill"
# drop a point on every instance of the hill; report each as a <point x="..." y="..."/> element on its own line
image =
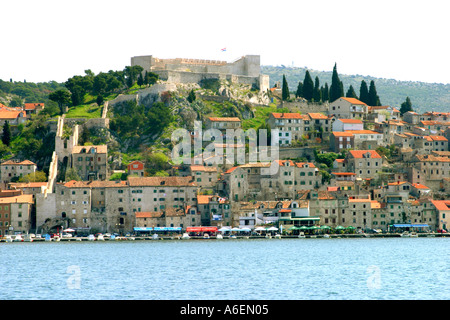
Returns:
<point x="424" y="96"/>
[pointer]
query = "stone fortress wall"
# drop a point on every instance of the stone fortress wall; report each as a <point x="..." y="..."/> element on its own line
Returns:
<point x="245" y="70"/>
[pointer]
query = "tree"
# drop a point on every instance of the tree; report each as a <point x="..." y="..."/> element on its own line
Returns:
<point x="299" y="92"/>
<point x="364" y="92"/>
<point x="38" y="176"/>
<point x="336" y="89"/>
<point x="351" y="93"/>
<point x="6" y="136"/>
<point x="284" y="89"/>
<point x="325" y="93"/>
<point x="317" y="94"/>
<point x="406" y="106"/>
<point x="373" y="98"/>
<point x="191" y="97"/>
<point x="72" y="174"/>
<point x="62" y="97"/>
<point x="308" y="87"/>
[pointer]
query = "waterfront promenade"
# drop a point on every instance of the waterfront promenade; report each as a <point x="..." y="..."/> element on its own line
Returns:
<point x="237" y="237"/>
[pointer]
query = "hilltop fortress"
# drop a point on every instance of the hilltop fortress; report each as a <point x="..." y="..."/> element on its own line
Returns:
<point x="244" y="70"/>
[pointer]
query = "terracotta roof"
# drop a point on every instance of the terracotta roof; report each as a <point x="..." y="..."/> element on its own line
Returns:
<point x="225" y="119"/>
<point x="11" y="115"/>
<point x="344" y="173"/>
<point x="342" y="134"/>
<point x="438" y="138"/>
<point x="363" y="132"/>
<point x="161" y="182"/>
<point x="32" y="106"/>
<point x="360" y="153"/>
<point x="353" y="101"/>
<point x="375" y="204"/>
<point x="28" y="185"/>
<point x="397" y="183"/>
<point x="76" y="184"/>
<point x="148" y="214"/>
<point x="203" y="168"/>
<point x="359" y="200"/>
<point x="231" y="170"/>
<point x="426" y="158"/>
<point x="292" y="115"/>
<point x="24" y="198"/>
<point x="441" y="204"/>
<point x="203" y="199"/>
<point x="350" y="121"/>
<point x="98" y="149"/>
<point x="317" y="116"/>
<point x="21" y="163"/>
<point x="302" y="164"/>
<point x="419" y="186"/>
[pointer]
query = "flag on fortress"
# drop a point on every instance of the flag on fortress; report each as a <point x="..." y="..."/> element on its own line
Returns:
<point x="224" y="49"/>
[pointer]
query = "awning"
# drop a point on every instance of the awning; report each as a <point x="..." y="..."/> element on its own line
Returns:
<point x="142" y="229"/>
<point x="167" y="229"/>
<point x="201" y="229"/>
<point x="405" y="225"/>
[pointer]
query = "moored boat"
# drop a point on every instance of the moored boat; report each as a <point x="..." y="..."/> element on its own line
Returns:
<point x="185" y="236"/>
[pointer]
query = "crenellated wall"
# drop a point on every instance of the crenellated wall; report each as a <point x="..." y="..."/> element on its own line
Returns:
<point x="246" y="69"/>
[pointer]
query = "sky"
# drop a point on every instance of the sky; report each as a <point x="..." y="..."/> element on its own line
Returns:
<point x="53" y="40"/>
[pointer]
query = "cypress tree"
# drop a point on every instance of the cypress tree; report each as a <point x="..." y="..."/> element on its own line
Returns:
<point x="317" y="94"/>
<point x="336" y="89"/>
<point x="326" y="93"/>
<point x="6" y="136"/>
<point x="373" y="98"/>
<point x="406" y="106"/>
<point x="364" y="92"/>
<point x="351" y="93"/>
<point x="308" y="87"/>
<point x="285" y="89"/>
<point x="299" y="92"/>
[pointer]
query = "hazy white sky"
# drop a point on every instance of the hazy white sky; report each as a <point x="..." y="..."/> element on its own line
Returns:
<point x="57" y="39"/>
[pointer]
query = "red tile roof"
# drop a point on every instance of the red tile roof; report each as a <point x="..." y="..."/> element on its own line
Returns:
<point x="361" y="153"/>
<point x="353" y="101"/>
<point x="225" y="119"/>
<point x="441" y="204"/>
<point x="289" y="116"/>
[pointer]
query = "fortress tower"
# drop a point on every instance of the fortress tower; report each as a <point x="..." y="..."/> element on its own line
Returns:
<point x="245" y="70"/>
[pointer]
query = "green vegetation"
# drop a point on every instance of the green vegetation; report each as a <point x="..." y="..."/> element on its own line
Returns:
<point x="425" y="96"/>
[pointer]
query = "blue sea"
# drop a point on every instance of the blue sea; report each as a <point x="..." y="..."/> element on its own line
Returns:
<point x="228" y="269"/>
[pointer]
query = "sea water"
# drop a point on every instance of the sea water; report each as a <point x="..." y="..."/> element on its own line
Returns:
<point x="229" y="269"/>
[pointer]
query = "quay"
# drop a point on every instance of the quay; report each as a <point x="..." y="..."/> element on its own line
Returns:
<point x="237" y="237"/>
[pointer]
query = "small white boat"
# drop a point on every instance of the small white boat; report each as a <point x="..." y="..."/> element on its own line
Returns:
<point x="268" y="236"/>
<point x="405" y="234"/>
<point x="206" y="236"/>
<point x="9" y="239"/>
<point x="56" y="238"/>
<point x="185" y="236"/>
<point x="155" y="237"/>
<point x="413" y="235"/>
<point x="277" y="236"/>
<point x="100" y="237"/>
<point x="233" y="236"/>
<point x="28" y="238"/>
<point x="219" y="236"/>
<point x="91" y="237"/>
<point x="18" y="238"/>
<point x="131" y="238"/>
<point x="326" y="235"/>
<point x="301" y="235"/>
